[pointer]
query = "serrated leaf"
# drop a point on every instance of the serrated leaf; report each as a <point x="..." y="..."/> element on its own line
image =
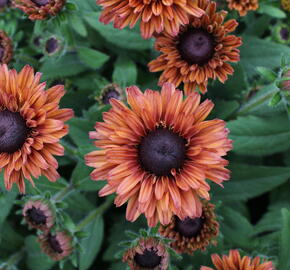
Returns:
<point x="92" y="58"/>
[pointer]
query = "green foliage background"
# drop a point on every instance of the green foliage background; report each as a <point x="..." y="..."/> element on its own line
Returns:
<point x="253" y="207"/>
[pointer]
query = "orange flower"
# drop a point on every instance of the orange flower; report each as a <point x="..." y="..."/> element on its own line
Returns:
<point x="200" y="51"/>
<point x="155" y="16"/>
<point x="285" y="5"/>
<point x="39" y="9"/>
<point x="235" y="262"/>
<point x="158" y="154"/>
<point x="6" y="48"/>
<point x="31" y="125"/>
<point x="243" y="6"/>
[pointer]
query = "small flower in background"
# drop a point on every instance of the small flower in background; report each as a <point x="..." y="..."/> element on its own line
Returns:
<point x="154" y="16"/>
<point x="281" y="33"/>
<point x="200" y="51"/>
<point x="149" y="253"/>
<point x="234" y="261"/>
<point x="39" y="214"/>
<point x="31" y="126"/>
<point x="56" y="245"/>
<point x="39" y="9"/>
<point x="285" y="5"/>
<point x="4" y="3"/>
<point x="243" y="7"/>
<point x="158" y="154"/>
<point x="111" y="91"/>
<point x="285" y="84"/>
<point x="6" y="48"/>
<point x="52" y="46"/>
<point x="191" y="234"/>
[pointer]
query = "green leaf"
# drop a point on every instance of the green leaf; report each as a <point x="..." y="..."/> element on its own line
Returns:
<point x="248" y="181"/>
<point x="77" y="24"/>
<point x="256" y="136"/>
<point x="276" y="98"/>
<point x="125" y="72"/>
<point x="91" y="245"/>
<point x="272" y="11"/>
<point x="284" y="258"/>
<point x="7" y="199"/>
<point x="92" y="58"/>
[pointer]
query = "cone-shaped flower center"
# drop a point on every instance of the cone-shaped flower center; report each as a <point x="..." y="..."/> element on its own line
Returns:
<point x="13" y="131"/>
<point x="162" y="150"/>
<point x="36" y="216"/>
<point x="284" y="33"/>
<point x="40" y="2"/>
<point x="2" y="51"/>
<point x="3" y="3"/>
<point x="51" y="45"/>
<point x="189" y="227"/>
<point x="54" y="244"/>
<point x="111" y="93"/>
<point x="149" y="259"/>
<point x="196" y="46"/>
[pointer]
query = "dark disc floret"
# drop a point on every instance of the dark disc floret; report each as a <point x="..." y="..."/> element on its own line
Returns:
<point x="54" y="244"/>
<point x="40" y="3"/>
<point x="149" y="259"/>
<point x="3" y="3"/>
<point x="110" y="93"/>
<point x="51" y="45"/>
<point x="196" y="46"/>
<point x="13" y="131"/>
<point x="162" y="150"/>
<point x="189" y="227"/>
<point x="36" y="216"/>
<point x="284" y="33"/>
<point x="2" y="52"/>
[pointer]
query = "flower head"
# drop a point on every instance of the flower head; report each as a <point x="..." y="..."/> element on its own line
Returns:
<point x="39" y="214"/>
<point x="57" y="245"/>
<point x="39" y="9"/>
<point x="6" y="48"/>
<point x="158" y="154"/>
<point x="243" y="6"/>
<point x="149" y="253"/>
<point x="111" y="91"/>
<point x="285" y="84"/>
<point x="155" y="16"/>
<point x="191" y="234"/>
<point x="234" y="262"/>
<point x="31" y="125"/>
<point x="200" y="51"/>
<point x="285" y="5"/>
<point x="52" y="46"/>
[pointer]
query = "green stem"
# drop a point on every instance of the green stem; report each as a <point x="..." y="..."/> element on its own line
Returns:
<point x="71" y="150"/>
<point x="98" y="211"/>
<point x="63" y="193"/>
<point x="15" y="258"/>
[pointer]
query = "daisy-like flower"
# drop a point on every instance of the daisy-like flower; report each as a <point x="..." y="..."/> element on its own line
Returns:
<point x="158" y="154"/>
<point x="149" y="253"/>
<point x="200" y="51"/>
<point x="57" y="245"/>
<point x="234" y="262"/>
<point x="111" y="91"/>
<point x="39" y="9"/>
<point x="31" y="125"/>
<point x="243" y="6"/>
<point x="38" y="214"/>
<point x="6" y="48"/>
<point x="285" y="5"/>
<point x="155" y="16"/>
<point x="191" y="234"/>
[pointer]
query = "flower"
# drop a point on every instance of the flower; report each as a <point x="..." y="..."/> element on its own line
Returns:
<point x="111" y="91"/>
<point x="243" y="6"/>
<point x="281" y="33"/>
<point x="155" y="16"/>
<point x="158" y="154"/>
<point x="149" y="253"/>
<point x="39" y="214"/>
<point x="31" y="125"/>
<point x="285" y="84"/>
<point x="191" y="234"/>
<point x="285" y="5"/>
<point x="57" y="245"/>
<point x="234" y="262"/>
<point x="3" y="4"/>
<point x="39" y="9"/>
<point x="6" y="48"/>
<point x="52" y="46"/>
<point x="200" y="51"/>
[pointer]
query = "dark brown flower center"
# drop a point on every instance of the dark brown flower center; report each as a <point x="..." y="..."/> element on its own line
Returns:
<point x="36" y="216"/>
<point x="196" y="46"/>
<point x="162" y="150"/>
<point x="3" y="3"/>
<point x="2" y="51"/>
<point x="110" y="93"/>
<point x="54" y="244"/>
<point x="189" y="227"/>
<point x="149" y="259"/>
<point x="40" y="3"/>
<point x="284" y="33"/>
<point x="51" y="45"/>
<point x="13" y="131"/>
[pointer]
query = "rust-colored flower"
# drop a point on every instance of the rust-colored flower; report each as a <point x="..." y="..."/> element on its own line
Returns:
<point x="39" y="9"/>
<point x="285" y="84"/>
<point x="111" y="91"/>
<point x="191" y="234"/>
<point x="155" y="16"/>
<point x="234" y="262"/>
<point x="158" y="154"/>
<point x="285" y="5"/>
<point x="6" y="48"/>
<point x="200" y="51"/>
<point x="56" y="245"/>
<point x="31" y="125"/>
<point x="243" y="6"/>
<point x="39" y="214"/>
<point x="149" y="253"/>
